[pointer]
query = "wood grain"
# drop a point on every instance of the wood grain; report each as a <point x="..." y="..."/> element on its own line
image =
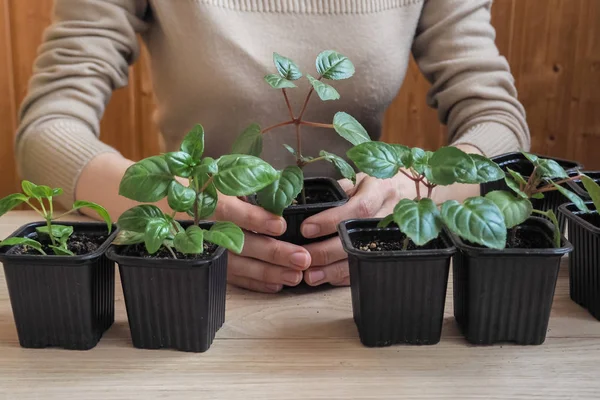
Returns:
<point x="302" y="344"/>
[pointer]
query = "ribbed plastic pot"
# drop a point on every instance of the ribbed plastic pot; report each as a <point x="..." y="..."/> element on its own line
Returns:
<point x="174" y="304"/>
<point x="397" y="296"/>
<point x="296" y="214"/>
<point x="506" y="295"/>
<point x="61" y="301"/>
<point x="584" y="262"/>
<point x="517" y="162"/>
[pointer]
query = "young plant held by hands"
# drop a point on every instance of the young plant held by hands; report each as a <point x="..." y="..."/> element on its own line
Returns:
<point x="547" y="176"/>
<point x="40" y="199"/>
<point x="477" y="220"/>
<point x="330" y="65"/>
<point x="157" y="177"/>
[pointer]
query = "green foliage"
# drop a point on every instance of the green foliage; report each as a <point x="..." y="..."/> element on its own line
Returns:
<point x="515" y="209"/>
<point x="40" y="198"/>
<point x="325" y="91"/>
<point x="419" y="220"/>
<point x="277" y="82"/>
<point x="376" y="159"/>
<point x="332" y="65"/>
<point x="242" y="175"/>
<point x="191" y="241"/>
<point x="226" y="234"/>
<point x="593" y="190"/>
<point x="147" y="180"/>
<point x="286" y="67"/>
<point x="249" y="142"/>
<point x="450" y="165"/>
<point x="340" y="164"/>
<point x="282" y="192"/>
<point x="180" y="198"/>
<point x="350" y="129"/>
<point x="193" y="143"/>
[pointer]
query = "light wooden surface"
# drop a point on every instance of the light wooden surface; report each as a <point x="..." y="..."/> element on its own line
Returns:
<point x="553" y="47"/>
<point x="304" y="345"/>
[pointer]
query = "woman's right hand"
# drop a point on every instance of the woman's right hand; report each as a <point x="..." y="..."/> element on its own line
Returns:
<point x="266" y="264"/>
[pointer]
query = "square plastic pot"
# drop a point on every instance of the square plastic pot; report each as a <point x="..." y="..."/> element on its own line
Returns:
<point x="397" y="296"/>
<point x="175" y="304"/>
<point x="61" y="301"/>
<point x="506" y="295"/>
<point x="517" y="162"/>
<point x="584" y="262"/>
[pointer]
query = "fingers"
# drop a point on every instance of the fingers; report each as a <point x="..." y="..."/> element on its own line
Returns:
<point x="248" y="216"/>
<point x="336" y="273"/>
<point x="244" y="267"/>
<point x="326" y="252"/>
<point x="276" y="252"/>
<point x="251" y="284"/>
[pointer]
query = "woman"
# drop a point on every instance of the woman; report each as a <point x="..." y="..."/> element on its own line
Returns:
<point x="208" y="58"/>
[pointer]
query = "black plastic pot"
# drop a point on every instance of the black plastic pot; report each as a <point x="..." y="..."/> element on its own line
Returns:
<point x="584" y="263"/>
<point x="176" y="304"/>
<point x="517" y="162"/>
<point x="506" y="295"/>
<point x="61" y="301"/>
<point x="397" y="296"/>
<point x="295" y="215"/>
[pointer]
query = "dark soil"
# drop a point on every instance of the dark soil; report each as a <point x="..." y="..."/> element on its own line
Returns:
<point x="78" y="243"/>
<point x="139" y="250"/>
<point x="373" y="243"/>
<point x="316" y="195"/>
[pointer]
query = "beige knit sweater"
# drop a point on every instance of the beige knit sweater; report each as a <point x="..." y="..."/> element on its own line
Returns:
<point x="208" y="58"/>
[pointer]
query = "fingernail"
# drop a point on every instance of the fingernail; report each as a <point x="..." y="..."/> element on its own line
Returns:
<point x="299" y="259"/>
<point x="310" y="230"/>
<point x="316" y="276"/>
<point x="275" y="227"/>
<point x="291" y="277"/>
<point x="273" y="287"/>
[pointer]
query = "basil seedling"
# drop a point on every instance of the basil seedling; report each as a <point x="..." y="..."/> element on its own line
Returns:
<point x="155" y="178"/>
<point x="289" y="184"/>
<point x="40" y="199"/>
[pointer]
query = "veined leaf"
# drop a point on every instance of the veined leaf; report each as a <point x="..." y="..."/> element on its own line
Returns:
<point x="450" y="165"/>
<point x="277" y="82"/>
<point x="515" y="210"/>
<point x="180" y="198"/>
<point x="325" y="91"/>
<point x="350" y="129"/>
<point x="59" y="232"/>
<point x="517" y="177"/>
<point x="61" y="251"/>
<point x="376" y="159"/>
<point x="332" y="65"/>
<point x="282" y="192"/>
<point x="511" y="183"/>
<point x="11" y="201"/>
<point x="341" y="165"/>
<point x="241" y="175"/>
<point x="180" y="163"/>
<point x="249" y="142"/>
<point x="128" y="237"/>
<point x="207" y="199"/>
<point x="486" y="170"/>
<point x="16" y="241"/>
<point x="147" y="180"/>
<point x="593" y="190"/>
<point x="207" y="166"/>
<point x="404" y="155"/>
<point x="420" y="159"/>
<point x="420" y="221"/>
<point x="226" y="234"/>
<point x="573" y="198"/>
<point x="290" y="149"/>
<point x="137" y="218"/>
<point x="193" y="143"/>
<point x="191" y="241"/>
<point x="385" y="222"/>
<point x="550" y="169"/>
<point x="155" y="234"/>
<point x="286" y="67"/>
<point x="101" y="211"/>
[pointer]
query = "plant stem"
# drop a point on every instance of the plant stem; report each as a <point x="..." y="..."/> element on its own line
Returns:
<point x="287" y="102"/>
<point x="316" y="124"/>
<point x="299" y="161"/>
<point x="290" y="122"/>
<point x="37" y="210"/>
<point x="306" y="162"/>
<point x="418" y="186"/>
<point x="430" y="190"/>
<point x="405" y="243"/>
<point x="49" y="225"/>
<point x="549" y="188"/>
<point x="310" y="92"/>
<point x="171" y="251"/>
<point x="406" y="174"/>
<point x="51" y="206"/>
<point x="43" y="208"/>
<point x="552" y="217"/>
<point x="65" y="214"/>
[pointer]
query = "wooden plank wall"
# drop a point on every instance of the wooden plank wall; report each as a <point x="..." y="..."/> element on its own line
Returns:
<point x="553" y="47"/>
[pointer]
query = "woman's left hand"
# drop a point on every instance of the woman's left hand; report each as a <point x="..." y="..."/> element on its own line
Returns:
<point x="370" y="198"/>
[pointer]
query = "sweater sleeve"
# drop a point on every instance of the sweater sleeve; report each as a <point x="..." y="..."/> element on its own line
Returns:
<point x="472" y="86"/>
<point x="84" y="56"/>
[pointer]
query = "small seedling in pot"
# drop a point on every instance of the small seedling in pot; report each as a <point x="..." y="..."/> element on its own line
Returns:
<point x="283" y="192"/>
<point x="477" y="220"/>
<point x="155" y="178"/>
<point x="40" y="199"/>
<point x="547" y="176"/>
<point x="593" y="190"/>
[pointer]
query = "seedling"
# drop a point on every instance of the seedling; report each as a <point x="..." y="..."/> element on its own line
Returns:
<point x="155" y="178"/>
<point x="58" y="235"/>
<point x="593" y="190"/>
<point x="516" y="205"/>
<point x="290" y="182"/>
<point x="477" y="220"/>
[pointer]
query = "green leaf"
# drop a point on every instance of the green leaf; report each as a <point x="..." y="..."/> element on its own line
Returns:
<point x="325" y="91"/>
<point x="286" y="67"/>
<point x="137" y="218"/>
<point x="191" y="241"/>
<point x="61" y="251"/>
<point x="384" y="223"/>
<point x="249" y="142"/>
<point x="550" y="169"/>
<point x="477" y="220"/>
<point x="241" y="175"/>
<point x="420" y="159"/>
<point x="376" y="159"/>
<point x="277" y="82"/>
<point x="538" y="196"/>
<point x="156" y="232"/>
<point x="573" y="198"/>
<point x="28" y="188"/>
<point x="147" y="180"/>
<point x="193" y="143"/>
<point x="515" y="210"/>
<point x="226" y="234"/>
<point x="180" y="198"/>
<point x="514" y="186"/>
<point x="57" y="192"/>
<point x="180" y="163"/>
<point x="531" y="157"/>
<point x="207" y="200"/>
<point x="332" y="65"/>
<point x="450" y="165"/>
<point x="420" y="221"/>
<point x="208" y="166"/>
<point x="517" y="176"/>
<point x="128" y="237"/>
<point x="11" y="201"/>
<point x="350" y="129"/>
<point x="101" y="211"/>
<point x="486" y="170"/>
<point x="60" y="232"/>
<point x="592" y="188"/>
<point x="341" y="165"/>
<point x="404" y="155"/>
<point x="290" y="149"/>
<point x="281" y="193"/>
<point x="16" y="241"/>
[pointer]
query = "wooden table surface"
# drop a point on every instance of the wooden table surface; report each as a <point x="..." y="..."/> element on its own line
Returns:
<point x="302" y="344"/>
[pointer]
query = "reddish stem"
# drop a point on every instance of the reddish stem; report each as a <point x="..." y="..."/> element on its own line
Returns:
<point x="407" y="175"/>
<point x="287" y="102"/>
<point x="315" y="124"/>
<point x="277" y="126"/>
<point x="310" y="92"/>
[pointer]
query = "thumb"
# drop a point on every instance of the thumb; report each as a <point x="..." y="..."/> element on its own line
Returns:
<point x="248" y="216"/>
